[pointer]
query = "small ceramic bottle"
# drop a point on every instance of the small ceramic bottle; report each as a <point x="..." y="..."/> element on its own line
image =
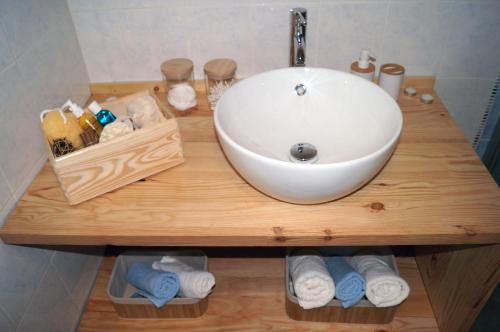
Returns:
<point x="391" y="78"/>
<point x="363" y="67"/>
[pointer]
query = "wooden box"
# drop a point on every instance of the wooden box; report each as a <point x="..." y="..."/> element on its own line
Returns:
<point x="95" y="170"/>
<point x="362" y="313"/>
<point x="120" y="291"/>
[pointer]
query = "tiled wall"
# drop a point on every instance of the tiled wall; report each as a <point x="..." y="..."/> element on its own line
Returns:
<point x="40" y="66"/>
<point x="126" y="40"/>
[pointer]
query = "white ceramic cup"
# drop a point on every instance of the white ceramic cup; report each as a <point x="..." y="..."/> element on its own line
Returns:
<point x="391" y="78"/>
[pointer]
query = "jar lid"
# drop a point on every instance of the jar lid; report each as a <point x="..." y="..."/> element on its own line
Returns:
<point x="177" y="69"/>
<point x="392" y="69"/>
<point x="220" y="69"/>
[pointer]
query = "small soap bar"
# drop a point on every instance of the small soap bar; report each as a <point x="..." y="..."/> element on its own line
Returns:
<point x="426" y="98"/>
<point x="410" y="91"/>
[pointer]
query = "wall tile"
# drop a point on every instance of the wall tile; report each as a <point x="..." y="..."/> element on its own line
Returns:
<point x="77" y="268"/>
<point x="92" y="45"/>
<point x="163" y="41"/>
<point x="5" y="53"/>
<point x="24" y="23"/>
<point x="52" y="309"/>
<point x="414" y="35"/>
<point x="471" y="46"/>
<point x="6" y="209"/>
<point x="22" y="268"/>
<point x="5" y="192"/>
<point x="346" y="28"/>
<point x="213" y="37"/>
<point x="466" y="100"/>
<point x="40" y="66"/>
<point x="6" y="324"/>
<point x="271" y="44"/>
<point x="22" y="149"/>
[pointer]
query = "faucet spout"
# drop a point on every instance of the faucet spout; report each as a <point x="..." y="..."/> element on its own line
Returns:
<point x="298" y="20"/>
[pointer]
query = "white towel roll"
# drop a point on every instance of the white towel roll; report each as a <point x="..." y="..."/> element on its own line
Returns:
<point x="312" y="282"/>
<point x="384" y="288"/>
<point x="193" y="283"/>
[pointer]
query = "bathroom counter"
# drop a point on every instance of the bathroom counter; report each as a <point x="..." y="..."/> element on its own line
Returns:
<point x="434" y="193"/>
<point x="434" y="190"/>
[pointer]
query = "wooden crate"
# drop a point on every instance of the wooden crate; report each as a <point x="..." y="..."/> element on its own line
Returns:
<point x="362" y="313"/>
<point x="120" y="291"/>
<point x="98" y="169"/>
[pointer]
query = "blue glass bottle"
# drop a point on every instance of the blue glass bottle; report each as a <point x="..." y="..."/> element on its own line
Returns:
<point x="103" y="116"/>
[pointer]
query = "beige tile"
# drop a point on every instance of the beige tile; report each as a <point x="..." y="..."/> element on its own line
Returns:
<point x="52" y="309"/>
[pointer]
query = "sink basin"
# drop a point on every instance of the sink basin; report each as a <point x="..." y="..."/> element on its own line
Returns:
<point x="351" y="125"/>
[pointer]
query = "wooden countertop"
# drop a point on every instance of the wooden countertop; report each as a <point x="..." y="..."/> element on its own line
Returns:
<point x="434" y="190"/>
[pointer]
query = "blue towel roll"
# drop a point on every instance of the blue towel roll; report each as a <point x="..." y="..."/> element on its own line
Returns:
<point x="349" y="284"/>
<point x="158" y="286"/>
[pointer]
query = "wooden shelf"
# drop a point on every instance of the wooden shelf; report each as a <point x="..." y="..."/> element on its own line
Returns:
<point x="434" y="190"/>
<point x="250" y="296"/>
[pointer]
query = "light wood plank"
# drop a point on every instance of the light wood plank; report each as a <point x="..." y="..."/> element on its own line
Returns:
<point x="249" y="296"/>
<point x="459" y="281"/>
<point x="159" y="86"/>
<point x="434" y="190"/>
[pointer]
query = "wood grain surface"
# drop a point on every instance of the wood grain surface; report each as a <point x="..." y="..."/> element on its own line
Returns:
<point x="459" y="280"/>
<point x="172" y="311"/>
<point x="434" y="190"/>
<point x="95" y="170"/>
<point x="249" y="296"/>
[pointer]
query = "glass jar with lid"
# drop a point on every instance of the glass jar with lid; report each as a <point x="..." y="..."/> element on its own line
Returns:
<point x="179" y="81"/>
<point x="219" y="76"/>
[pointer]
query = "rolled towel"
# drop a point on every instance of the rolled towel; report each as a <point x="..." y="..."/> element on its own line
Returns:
<point x="159" y="287"/>
<point x="312" y="283"/>
<point x="193" y="283"/>
<point x="349" y="284"/>
<point x="384" y="288"/>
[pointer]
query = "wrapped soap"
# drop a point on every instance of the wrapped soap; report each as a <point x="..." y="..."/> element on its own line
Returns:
<point x="143" y="111"/>
<point x="122" y="126"/>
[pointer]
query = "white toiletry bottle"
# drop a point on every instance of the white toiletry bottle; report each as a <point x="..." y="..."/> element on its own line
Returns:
<point x="363" y="67"/>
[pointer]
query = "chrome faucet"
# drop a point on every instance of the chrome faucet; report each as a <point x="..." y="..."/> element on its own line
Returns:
<point x="298" y="20"/>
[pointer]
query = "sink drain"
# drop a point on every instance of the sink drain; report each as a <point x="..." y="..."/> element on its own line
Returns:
<point x="303" y="153"/>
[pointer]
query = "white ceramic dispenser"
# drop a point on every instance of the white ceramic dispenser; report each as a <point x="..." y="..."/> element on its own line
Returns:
<point x="363" y="67"/>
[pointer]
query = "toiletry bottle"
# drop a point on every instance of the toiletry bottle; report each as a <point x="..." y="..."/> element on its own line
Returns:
<point x="86" y="120"/>
<point x="103" y="116"/>
<point x="363" y="67"/>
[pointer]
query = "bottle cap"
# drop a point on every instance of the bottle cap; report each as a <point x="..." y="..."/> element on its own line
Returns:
<point x="94" y="107"/>
<point x="410" y="91"/>
<point x="426" y="98"/>
<point x="392" y="69"/>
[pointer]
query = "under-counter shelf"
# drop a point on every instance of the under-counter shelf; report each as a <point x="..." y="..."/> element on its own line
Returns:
<point x="249" y="296"/>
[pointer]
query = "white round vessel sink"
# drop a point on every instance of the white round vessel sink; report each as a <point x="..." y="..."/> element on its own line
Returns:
<point x="307" y="135"/>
